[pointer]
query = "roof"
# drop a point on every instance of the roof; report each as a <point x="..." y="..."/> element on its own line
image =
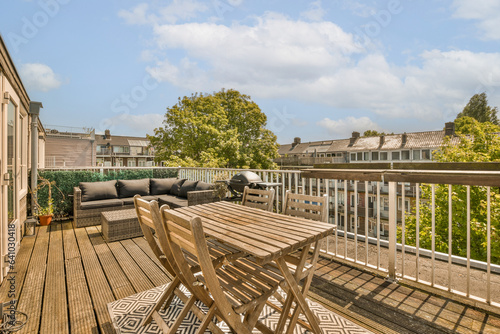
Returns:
<point x="414" y="140"/>
<point x="122" y="141"/>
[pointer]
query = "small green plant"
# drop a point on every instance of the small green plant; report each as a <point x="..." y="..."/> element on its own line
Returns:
<point x="48" y="209"/>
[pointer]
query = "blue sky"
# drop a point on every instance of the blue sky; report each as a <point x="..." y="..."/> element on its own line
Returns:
<point x="318" y="69"/>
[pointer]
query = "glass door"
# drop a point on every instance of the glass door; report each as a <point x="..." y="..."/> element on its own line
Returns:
<point x="11" y="161"/>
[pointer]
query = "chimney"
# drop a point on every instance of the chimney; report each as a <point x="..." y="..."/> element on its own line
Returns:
<point x="382" y="141"/>
<point x="355" y="136"/>
<point x="296" y="141"/>
<point x="449" y="129"/>
<point x="107" y="134"/>
<point x="404" y="138"/>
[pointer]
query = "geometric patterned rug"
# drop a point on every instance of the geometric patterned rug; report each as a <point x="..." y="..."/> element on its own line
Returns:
<point x="128" y="312"/>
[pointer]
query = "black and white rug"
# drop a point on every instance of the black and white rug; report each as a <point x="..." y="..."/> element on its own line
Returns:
<point x="127" y="314"/>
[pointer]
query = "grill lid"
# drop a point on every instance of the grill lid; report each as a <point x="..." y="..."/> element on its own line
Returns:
<point x="242" y="179"/>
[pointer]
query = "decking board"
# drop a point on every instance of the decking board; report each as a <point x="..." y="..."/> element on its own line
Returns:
<point x="118" y="281"/>
<point x="81" y="311"/>
<point x="54" y="312"/>
<point x="30" y="301"/>
<point x="99" y="288"/>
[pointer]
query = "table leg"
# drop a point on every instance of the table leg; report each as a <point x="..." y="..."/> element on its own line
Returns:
<point x="298" y="297"/>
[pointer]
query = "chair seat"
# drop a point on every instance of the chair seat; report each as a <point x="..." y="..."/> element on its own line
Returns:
<point x="243" y="280"/>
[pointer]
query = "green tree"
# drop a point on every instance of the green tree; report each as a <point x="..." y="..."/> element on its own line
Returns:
<point x="374" y="133"/>
<point x="477" y="142"/>
<point x="479" y="109"/>
<point x="223" y="129"/>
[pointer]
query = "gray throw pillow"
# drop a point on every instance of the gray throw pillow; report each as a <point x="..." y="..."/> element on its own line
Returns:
<point x="92" y="191"/>
<point x="162" y="186"/>
<point x="176" y="187"/>
<point x="187" y="186"/>
<point x="130" y="188"/>
<point x="204" y="186"/>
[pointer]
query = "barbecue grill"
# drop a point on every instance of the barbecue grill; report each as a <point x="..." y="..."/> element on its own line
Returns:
<point x="240" y="180"/>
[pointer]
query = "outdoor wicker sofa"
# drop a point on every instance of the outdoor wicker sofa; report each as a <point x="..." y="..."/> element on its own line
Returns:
<point x="92" y="198"/>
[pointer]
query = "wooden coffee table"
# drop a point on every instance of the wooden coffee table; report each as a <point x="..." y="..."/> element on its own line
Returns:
<point x="120" y="224"/>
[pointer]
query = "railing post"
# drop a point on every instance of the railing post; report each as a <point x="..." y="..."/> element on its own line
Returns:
<point x="393" y="217"/>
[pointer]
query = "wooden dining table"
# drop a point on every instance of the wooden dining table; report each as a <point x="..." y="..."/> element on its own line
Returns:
<point x="267" y="237"/>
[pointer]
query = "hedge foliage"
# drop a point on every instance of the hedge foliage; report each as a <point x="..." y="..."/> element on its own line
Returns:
<point x="65" y="181"/>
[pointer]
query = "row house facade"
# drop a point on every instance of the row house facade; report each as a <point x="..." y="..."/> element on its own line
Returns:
<point x="22" y="139"/>
<point x="72" y="147"/>
<point x="357" y="202"/>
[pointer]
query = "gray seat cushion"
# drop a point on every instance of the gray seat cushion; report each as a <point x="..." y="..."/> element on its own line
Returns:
<point x="101" y="204"/>
<point x="130" y="188"/>
<point x="172" y="201"/>
<point x="176" y="187"/>
<point x="162" y="186"/>
<point x="92" y="191"/>
<point x="130" y="200"/>
<point x="186" y="187"/>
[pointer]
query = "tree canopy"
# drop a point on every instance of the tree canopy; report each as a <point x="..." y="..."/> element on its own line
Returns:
<point x="374" y="133"/>
<point x="223" y="129"/>
<point x="478" y="142"/>
<point x="479" y="109"/>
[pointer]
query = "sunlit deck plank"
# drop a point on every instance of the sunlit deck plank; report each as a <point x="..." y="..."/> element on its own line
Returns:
<point x="55" y="308"/>
<point x="118" y="281"/>
<point x="30" y="301"/>
<point x="19" y="271"/>
<point x="99" y="288"/>
<point x="81" y="311"/>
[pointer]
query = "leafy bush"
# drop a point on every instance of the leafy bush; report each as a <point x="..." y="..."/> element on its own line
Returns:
<point x="65" y="181"/>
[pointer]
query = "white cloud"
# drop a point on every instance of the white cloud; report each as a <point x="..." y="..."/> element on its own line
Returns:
<point x="137" y="15"/>
<point x="277" y="57"/>
<point x="134" y="125"/>
<point x="486" y="12"/>
<point x="170" y="14"/>
<point x="358" y="8"/>
<point x="39" y="77"/>
<point x="315" y="11"/>
<point x="343" y="128"/>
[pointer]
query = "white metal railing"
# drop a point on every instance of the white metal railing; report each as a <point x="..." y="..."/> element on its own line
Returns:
<point x="375" y="237"/>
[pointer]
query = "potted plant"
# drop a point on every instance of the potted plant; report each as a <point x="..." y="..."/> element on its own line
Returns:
<point x="44" y="212"/>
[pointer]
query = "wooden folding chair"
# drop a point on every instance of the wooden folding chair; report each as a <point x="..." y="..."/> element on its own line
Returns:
<point x="256" y="198"/>
<point x="151" y="224"/>
<point x="301" y="263"/>
<point x="236" y="292"/>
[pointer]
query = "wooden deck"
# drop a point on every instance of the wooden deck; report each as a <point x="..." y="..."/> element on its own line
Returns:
<point x="65" y="277"/>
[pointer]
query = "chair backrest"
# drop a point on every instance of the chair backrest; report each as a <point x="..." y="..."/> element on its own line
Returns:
<point x="148" y="214"/>
<point x="260" y="199"/>
<point x="186" y="235"/>
<point x="306" y="206"/>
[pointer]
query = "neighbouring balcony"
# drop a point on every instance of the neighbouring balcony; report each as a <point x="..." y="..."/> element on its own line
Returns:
<point x="436" y="292"/>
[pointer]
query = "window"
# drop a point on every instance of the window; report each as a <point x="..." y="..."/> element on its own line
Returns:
<point x="366" y="156"/>
<point x="416" y="154"/>
<point x="352" y="223"/>
<point x="353" y="156"/>
<point x="136" y="150"/>
<point x="395" y="155"/>
<point x="407" y="204"/>
<point x="405" y="155"/>
<point x="360" y="156"/>
<point x="131" y="162"/>
<point x="341" y="198"/>
<point x="383" y="155"/>
<point x="353" y="201"/>
<point x="121" y="149"/>
<point x="23" y="126"/>
<point x="375" y="156"/>
<point x="426" y="154"/>
<point x="141" y="163"/>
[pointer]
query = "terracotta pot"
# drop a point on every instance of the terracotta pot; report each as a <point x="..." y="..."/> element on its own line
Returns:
<point x="45" y="220"/>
